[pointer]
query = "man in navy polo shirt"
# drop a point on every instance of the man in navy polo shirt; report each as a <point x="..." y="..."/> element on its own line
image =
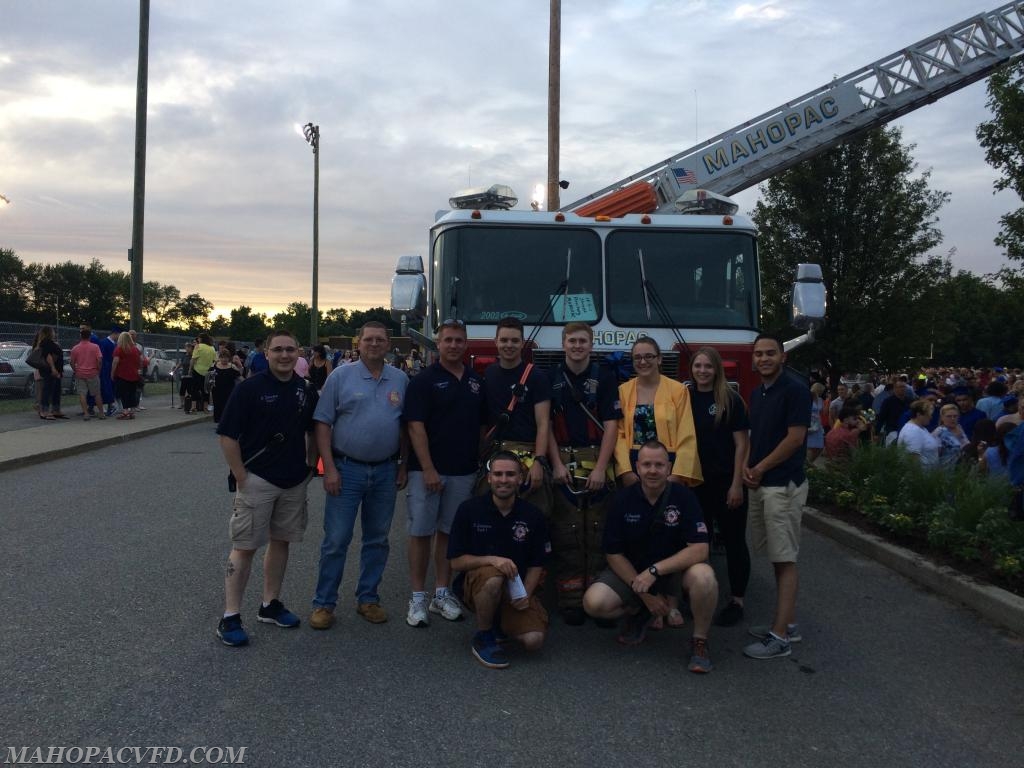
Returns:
<point x="779" y="410"/>
<point x="500" y="543"/>
<point x="655" y="541"/>
<point x="263" y="435"/>
<point x="445" y="409"/>
<point x="358" y="424"/>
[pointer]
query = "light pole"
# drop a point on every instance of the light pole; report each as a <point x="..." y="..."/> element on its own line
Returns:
<point x="312" y="135"/>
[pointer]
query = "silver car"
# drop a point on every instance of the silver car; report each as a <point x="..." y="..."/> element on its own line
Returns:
<point x="16" y="375"/>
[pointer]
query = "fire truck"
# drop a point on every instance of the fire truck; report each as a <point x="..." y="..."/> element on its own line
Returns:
<point x="663" y="253"/>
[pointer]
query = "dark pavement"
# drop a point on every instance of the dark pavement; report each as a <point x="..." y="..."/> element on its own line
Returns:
<point x="112" y="565"/>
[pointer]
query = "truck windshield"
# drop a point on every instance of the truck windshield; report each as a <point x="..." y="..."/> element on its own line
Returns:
<point x="705" y="279"/>
<point x="481" y="274"/>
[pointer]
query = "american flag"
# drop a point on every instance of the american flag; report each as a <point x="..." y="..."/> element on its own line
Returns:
<point x="685" y="175"/>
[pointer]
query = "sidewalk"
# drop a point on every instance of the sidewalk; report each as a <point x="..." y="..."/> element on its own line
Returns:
<point x="26" y="439"/>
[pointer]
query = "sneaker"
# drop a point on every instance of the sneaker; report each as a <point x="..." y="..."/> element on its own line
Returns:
<point x="417" y="615"/>
<point x="700" y="662"/>
<point x="634" y="627"/>
<point x="231" y="632"/>
<point x="793" y="632"/>
<point x="276" y="613"/>
<point x="771" y="647"/>
<point x="730" y="615"/>
<point x="573" y="616"/>
<point x="321" y="618"/>
<point x="448" y="606"/>
<point x="487" y="651"/>
<point x="372" y="612"/>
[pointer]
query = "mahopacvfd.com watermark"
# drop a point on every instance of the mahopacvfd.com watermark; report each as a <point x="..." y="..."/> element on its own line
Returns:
<point x="125" y="755"/>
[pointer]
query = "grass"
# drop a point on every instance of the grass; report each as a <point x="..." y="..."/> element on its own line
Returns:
<point x="154" y="393"/>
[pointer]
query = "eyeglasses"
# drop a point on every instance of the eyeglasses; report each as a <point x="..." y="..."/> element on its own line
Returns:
<point x="289" y="350"/>
<point x="645" y="358"/>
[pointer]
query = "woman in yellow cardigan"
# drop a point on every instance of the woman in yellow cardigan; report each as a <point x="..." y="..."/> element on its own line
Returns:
<point x="655" y="407"/>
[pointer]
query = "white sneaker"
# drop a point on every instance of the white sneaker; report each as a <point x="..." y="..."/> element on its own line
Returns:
<point x="448" y="606"/>
<point x="417" y="615"/>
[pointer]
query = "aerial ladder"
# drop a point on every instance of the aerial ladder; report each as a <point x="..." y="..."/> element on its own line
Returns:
<point x="780" y="138"/>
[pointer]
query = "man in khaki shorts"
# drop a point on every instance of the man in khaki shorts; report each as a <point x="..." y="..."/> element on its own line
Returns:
<point x="500" y="543"/>
<point x="86" y="361"/>
<point x="779" y="415"/>
<point x="264" y="435"/>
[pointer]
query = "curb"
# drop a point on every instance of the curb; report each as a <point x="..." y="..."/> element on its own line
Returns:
<point x="1000" y="607"/>
<point x="72" y="450"/>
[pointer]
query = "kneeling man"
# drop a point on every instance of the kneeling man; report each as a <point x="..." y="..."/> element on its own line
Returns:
<point x="500" y="543"/>
<point x="654" y="537"/>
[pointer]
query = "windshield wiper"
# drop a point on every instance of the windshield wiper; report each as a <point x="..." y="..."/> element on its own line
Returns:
<point x="651" y="295"/>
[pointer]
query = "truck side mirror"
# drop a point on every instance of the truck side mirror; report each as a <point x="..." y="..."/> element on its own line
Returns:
<point x="808" y="309"/>
<point x="409" y="289"/>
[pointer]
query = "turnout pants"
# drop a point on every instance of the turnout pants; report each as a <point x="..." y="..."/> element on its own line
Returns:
<point x="576" y="527"/>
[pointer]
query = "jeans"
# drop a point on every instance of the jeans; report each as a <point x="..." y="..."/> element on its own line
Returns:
<point x="372" y="488"/>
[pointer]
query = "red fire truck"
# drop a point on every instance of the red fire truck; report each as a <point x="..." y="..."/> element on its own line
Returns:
<point x="663" y="253"/>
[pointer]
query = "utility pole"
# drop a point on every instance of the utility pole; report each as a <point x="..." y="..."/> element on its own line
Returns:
<point x="139" y="202"/>
<point x="554" y="101"/>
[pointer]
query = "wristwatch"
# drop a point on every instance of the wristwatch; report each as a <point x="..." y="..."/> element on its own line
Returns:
<point x="653" y="570"/>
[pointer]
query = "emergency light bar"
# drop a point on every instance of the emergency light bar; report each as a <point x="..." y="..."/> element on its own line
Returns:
<point x="703" y="201"/>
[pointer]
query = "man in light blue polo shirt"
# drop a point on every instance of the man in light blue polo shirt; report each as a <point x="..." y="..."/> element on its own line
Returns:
<point x="358" y="421"/>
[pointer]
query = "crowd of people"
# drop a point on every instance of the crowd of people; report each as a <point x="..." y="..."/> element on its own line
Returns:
<point x="109" y="373"/>
<point x="614" y="489"/>
<point x="944" y="417"/>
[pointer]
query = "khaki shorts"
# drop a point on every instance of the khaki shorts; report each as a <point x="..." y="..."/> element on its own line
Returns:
<point x="670" y="586"/>
<point x="774" y="513"/>
<point x="92" y="386"/>
<point x="263" y="511"/>
<point x="513" y="622"/>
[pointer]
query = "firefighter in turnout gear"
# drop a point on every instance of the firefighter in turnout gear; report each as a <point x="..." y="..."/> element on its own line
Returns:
<point x="585" y="412"/>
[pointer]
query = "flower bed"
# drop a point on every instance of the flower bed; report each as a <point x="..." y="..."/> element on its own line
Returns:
<point x="956" y="518"/>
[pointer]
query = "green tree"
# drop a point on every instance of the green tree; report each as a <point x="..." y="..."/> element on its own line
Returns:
<point x="15" y="287"/>
<point x="245" y="326"/>
<point x="859" y="212"/>
<point x="106" y="295"/>
<point x="194" y="313"/>
<point x="1002" y="138"/>
<point x="360" y="317"/>
<point x="295" y="318"/>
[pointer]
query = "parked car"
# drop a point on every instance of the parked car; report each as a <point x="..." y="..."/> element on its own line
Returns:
<point x="161" y="363"/>
<point x="16" y="375"/>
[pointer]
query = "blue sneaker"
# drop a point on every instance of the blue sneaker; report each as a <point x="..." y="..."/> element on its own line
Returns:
<point x="231" y="632"/>
<point x="276" y="613"/>
<point x="488" y="652"/>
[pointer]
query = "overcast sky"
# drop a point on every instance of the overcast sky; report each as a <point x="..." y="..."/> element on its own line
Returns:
<point x="414" y="101"/>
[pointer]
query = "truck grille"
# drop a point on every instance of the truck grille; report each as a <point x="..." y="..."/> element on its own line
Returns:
<point x="549" y="358"/>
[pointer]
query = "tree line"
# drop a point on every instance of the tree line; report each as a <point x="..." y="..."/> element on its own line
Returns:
<point x="72" y="294"/>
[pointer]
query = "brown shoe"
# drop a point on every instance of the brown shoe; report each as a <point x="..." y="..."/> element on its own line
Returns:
<point x="321" y="618"/>
<point x="372" y="612"/>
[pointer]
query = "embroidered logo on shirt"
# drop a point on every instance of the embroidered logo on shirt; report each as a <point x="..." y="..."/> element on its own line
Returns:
<point x="713" y="409"/>
<point x="394" y="398"/>
<point x="474" y="386"/>
<point x="519" y="531"/>
<point x="701" y="528"/>
<point x="672" y="515"/>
